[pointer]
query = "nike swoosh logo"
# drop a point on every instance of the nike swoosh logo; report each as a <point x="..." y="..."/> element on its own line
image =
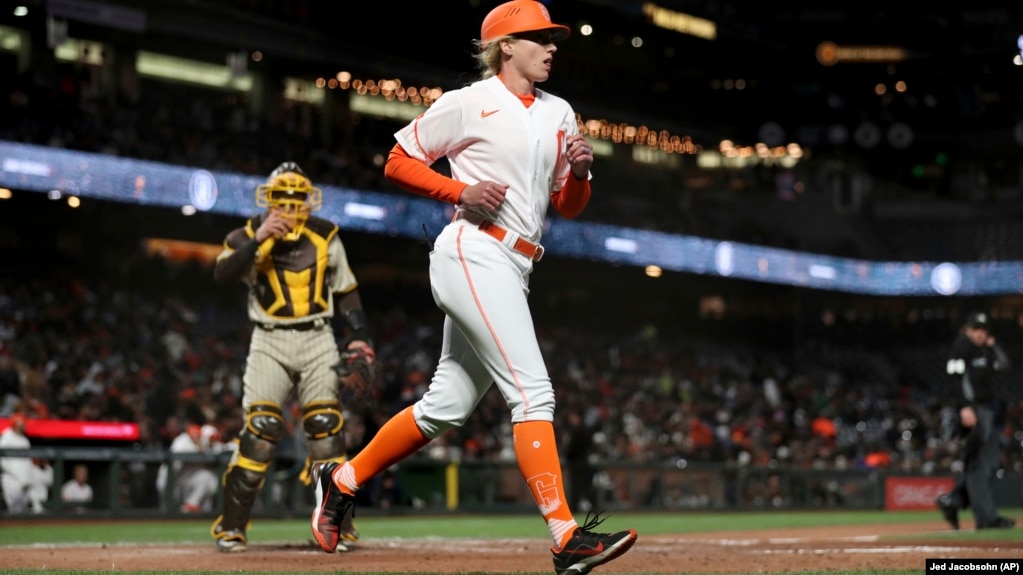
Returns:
<point x="484" y="113"/>
<point x="595" y="551"/>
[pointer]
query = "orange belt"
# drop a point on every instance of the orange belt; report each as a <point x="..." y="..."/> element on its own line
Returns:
<point x="526" y="248"/>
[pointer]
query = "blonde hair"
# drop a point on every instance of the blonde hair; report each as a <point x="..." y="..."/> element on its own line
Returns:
<point x="489" y="58"/>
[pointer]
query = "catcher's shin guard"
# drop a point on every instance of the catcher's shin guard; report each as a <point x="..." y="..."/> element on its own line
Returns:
<point x="242" y="482"/>
<point x="246" y="473"/>
<point x="240" y="488"/>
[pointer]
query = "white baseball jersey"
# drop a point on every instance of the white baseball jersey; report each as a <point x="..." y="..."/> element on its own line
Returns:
<point x="19" y="469"/>
<point x="74" y="492"/>
<point x="195" y="483"/>
<point x="25" y="485"/>
<point x="487" y="134"/>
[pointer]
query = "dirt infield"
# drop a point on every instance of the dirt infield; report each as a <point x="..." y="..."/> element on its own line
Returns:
<point x="904" y="546"/>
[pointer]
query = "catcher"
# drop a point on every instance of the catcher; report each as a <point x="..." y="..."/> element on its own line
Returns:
<point x="303" y="298"/>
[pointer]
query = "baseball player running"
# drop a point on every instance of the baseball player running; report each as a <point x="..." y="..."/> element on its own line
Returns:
<point x="513" y="151"/>
<point x="300" y="283"/>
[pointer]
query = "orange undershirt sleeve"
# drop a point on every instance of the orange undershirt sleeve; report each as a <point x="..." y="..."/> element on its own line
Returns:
<point x="413" y="175"/>
<point x="570" y="200"/>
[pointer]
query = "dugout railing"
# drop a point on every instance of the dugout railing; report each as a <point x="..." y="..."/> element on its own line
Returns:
<point x="124" y="485"/>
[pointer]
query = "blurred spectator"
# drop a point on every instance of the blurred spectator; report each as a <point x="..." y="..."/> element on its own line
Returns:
<point x="76" y="492"/>
<point x="195" y="483"/>
<point x="25" y="481"/>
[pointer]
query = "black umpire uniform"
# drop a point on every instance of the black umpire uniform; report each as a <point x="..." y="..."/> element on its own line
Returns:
<point x="972" y="363"/>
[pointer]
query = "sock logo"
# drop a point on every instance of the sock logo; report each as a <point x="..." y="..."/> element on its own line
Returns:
<point x="536" y="445"/>
<point x="545" y="490"/>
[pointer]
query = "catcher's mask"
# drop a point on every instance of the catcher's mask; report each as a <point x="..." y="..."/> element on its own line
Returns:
<point x="290" y="192"/>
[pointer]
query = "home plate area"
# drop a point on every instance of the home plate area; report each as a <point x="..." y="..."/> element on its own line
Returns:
<point x="863" y="547"/>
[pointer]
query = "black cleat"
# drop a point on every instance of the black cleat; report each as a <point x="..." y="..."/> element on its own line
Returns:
<point x="331" y="506"/>
<point x="948" y="510"/>
<point x="586" y="550"/>
<point x="999" y="523"/>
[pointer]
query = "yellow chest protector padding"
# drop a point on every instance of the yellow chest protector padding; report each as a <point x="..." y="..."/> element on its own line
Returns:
<point x="292" y="281"/>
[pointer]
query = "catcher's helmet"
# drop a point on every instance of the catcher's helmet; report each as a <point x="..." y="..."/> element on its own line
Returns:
<point x="289" y="191"/>
<point x="519" y="16"/>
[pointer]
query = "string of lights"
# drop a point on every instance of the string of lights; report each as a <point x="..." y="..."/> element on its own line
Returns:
<point x="602" y="129"/>
<point x="394" y="89"/>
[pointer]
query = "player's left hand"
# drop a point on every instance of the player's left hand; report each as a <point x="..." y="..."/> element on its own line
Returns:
<point x="356" y="372"/>
<point x="579" y="152"/>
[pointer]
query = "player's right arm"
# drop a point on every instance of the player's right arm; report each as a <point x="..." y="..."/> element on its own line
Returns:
<point x="414" y="175"/>
<point x="421" y="142"/>
<point x="242" y="246"/>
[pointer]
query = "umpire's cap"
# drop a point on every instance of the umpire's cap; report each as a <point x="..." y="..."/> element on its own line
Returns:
<point x="978" y="320"/>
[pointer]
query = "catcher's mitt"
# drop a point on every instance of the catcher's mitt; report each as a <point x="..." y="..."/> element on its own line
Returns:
<point x="355" y="372"/>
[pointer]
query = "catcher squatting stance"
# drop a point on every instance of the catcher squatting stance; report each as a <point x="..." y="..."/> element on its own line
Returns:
<point x="301" y="291"/>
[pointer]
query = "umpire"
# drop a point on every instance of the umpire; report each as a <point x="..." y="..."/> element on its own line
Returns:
<point x="974" y="358"/>
<point x="300" y="283"/>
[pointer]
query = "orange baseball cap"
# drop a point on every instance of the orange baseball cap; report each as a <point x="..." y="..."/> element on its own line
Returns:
<point x="519" y="16"/>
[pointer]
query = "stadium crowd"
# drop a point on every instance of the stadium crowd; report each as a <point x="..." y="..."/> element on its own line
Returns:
<point x="152" y="344"/>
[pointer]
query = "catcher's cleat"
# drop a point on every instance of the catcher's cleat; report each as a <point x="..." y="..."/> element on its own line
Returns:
<point x="229" y="540"/>
<point x="232" y="542"/>
<point x="586" y="550"/>
<point x="331" y="506"/>
<point x="949" y="510"/>
<point x="348" y="536"/>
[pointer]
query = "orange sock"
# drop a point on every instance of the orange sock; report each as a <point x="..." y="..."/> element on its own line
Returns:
<point x="396" y="440"/>
<point x="537" y="453"/>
